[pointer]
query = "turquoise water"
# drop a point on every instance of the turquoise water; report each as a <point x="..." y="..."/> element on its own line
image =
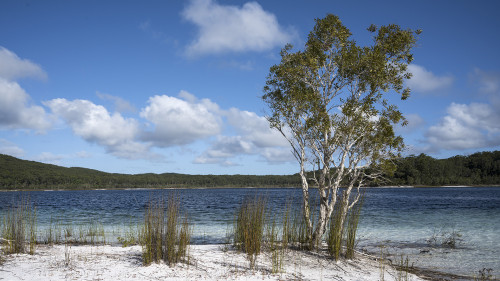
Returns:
<point x="411" y="221"/>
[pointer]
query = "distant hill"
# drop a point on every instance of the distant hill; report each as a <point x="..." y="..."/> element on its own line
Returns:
<point x="477" y="169"/>
<point x="23" y="174"/>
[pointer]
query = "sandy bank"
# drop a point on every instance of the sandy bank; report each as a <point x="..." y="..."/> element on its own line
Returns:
<point x="207" y="262"/>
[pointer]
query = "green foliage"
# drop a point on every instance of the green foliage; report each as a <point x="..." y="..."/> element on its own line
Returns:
<point x="352" y="227"/>
<point x="336" y="231"/>
<point x="19" y="228"/>
<point x="21" y="174"/>
<point x="165" y="236"/>
<point x="481" y="168"/>
<point x="328" y="100"/>
<point x="249" y="227"/>
<point x="404" y="268"/>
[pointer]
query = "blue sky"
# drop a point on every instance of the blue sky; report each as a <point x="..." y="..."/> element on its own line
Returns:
<point x="175" y="86"/>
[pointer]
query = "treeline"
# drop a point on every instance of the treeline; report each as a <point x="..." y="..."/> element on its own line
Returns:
<point x="481" y="168"/>
<point x="22" y="174"/>
<point x="477" y="169"/>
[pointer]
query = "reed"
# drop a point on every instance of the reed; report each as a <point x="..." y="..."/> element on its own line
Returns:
<point x="334" y="237"/>
<point x="131" y="236"/>
<point x="249" y="227"/>
<point x="95" y="232"/>
<point x="352" y="227"/>
<point x="403" y="268"/>
<point x="296" y="227"/>
<point x="19" y="228"/>
<point x="381" y="260"/>
<point x="275" y="246"/>
<point x="485" y="274"/>
<point x="165" y="236"/>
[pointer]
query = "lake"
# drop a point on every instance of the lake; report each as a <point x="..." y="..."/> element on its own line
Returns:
<point x="396" y="221"/>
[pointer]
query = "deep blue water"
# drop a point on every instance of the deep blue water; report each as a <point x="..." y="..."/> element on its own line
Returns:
<point x="399" y="220"/>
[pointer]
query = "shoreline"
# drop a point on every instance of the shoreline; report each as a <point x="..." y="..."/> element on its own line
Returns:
<point x="205" y="262"/>
<point x="241" y="187"/>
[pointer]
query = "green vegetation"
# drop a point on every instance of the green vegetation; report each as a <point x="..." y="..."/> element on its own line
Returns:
<point x="484" y="274"/>
<point x="352" y="227"/>
<point x="18" y="231"/>
<point x="22" y="174"/>
<point x="165" y="237"/>
<point x="329" y="100"/>
<point x="404" y="268"/>
<point x="249" y="227"/>
<point x="481" y="168"/>
<point x="336" y="230"/>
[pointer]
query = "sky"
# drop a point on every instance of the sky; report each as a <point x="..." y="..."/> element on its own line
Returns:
<point x="175" y="86"/>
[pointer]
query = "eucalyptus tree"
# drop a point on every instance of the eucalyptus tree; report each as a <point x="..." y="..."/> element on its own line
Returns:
<point x="330" y="102"/>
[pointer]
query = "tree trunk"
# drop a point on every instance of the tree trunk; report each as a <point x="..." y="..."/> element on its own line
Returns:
<point x="305" y="203"/>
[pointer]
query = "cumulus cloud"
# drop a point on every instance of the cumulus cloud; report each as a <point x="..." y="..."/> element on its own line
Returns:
<point x="472" y="126"/>
<point x="120" y="104"/>
<point x="415" y="122"/>
<point x="95" y="124"/>
<point x="489" y="82"/>
<point x="180" y="120"/>
<point x="16" y="108"/>
<point x="50" y="158"/>
<point x="12" y="67"/>
<point x="255" y="128"/>
<point x="425" y="81"/>
<point x="224" y="148"/>
<point x="9" y="148"/>
<point x="231" y="28"/>
<point x="254" y="138"/>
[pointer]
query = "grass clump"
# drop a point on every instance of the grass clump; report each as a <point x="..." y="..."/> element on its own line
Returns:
<point x="130" y="237"/>
<point x="343" y="227"/>
<point x="249" y="227"/>
<point x="19" y="228"/>
<point x="404" y="268"/>
<point x="336" y="230"/>
<point x="484" y="274"/>
<point x="352" y="227"/>
<point x="446" y="239"/>
<point x="166" y="236"/>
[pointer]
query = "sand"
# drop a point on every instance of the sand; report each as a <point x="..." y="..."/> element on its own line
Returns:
<point x="206" y="262"/>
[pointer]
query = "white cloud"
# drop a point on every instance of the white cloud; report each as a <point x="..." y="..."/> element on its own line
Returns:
<point x="255" y="128"/>
<point x="16" y="110"/>
<point x="426" y="81"/>
<point x="48" y="157"/>
<point x="415" y="122"/>
<point x="255" y="138"/>
<point x="13" y="68"/>
<point x="120" y="104"/>
<point x="9" y="148"/>
<point x="95" y="124"/>
<point x="225" y="147"/>
<point x="472" y="126"/>
<point x="179" y="121"/>
<point x="277" y="155"/>
<point x="232" y="28"/>
<point x="489" y="82"/>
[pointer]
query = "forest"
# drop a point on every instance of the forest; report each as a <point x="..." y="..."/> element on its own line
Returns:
<point x="481" y="168"/>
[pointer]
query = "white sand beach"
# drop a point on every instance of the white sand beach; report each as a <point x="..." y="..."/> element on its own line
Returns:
<point x="206" y="262"/>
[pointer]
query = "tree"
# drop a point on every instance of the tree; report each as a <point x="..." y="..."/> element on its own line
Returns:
<point x="329" y="102"/>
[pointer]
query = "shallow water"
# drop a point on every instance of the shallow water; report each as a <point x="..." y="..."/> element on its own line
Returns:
<point x="395" y="221"/>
